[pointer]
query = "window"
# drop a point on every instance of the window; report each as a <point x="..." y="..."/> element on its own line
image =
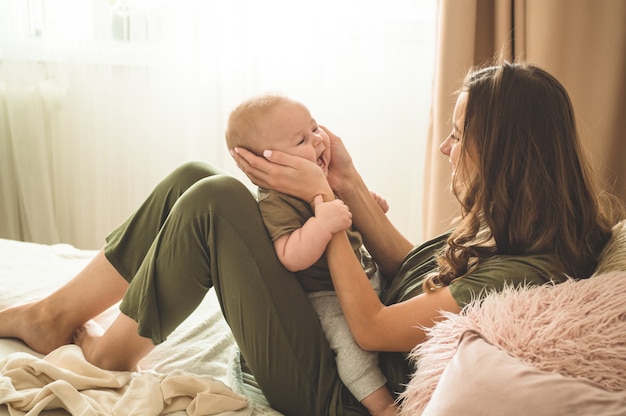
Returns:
<point x="112" y="95"/>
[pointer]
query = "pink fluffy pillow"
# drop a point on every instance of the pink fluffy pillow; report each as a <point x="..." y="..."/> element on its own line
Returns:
<point x="577" y="329"/>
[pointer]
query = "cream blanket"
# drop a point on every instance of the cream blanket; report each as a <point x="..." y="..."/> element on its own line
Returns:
<point x="64" y="379"/>
<point x="201" y="349"/>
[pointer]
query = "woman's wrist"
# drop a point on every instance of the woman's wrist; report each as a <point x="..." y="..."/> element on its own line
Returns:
<point x="347" y="184"/>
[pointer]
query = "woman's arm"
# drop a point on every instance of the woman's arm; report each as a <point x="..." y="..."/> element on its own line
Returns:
<point x="385" y="243"/>
<point x="304" y="179"/>
<point x="374" y="326"/>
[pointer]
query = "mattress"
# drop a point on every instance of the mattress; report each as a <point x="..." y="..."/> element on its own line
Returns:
<point x="202" y="345"/>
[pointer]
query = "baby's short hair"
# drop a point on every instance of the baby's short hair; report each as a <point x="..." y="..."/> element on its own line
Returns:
<point x="243" y="123"/>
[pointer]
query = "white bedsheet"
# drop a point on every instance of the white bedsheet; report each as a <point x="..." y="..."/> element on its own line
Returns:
<point x="202" y="345"/>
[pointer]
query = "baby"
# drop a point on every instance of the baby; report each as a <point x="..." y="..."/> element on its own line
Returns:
<point x="300" y="235"/>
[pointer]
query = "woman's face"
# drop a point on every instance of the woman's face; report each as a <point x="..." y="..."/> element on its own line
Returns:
<point x="451" y="146"/>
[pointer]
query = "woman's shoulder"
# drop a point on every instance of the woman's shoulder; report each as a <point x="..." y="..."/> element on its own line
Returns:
<point x="500" y="271"/>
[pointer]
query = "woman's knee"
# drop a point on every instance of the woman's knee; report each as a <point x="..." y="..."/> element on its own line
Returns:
<point x="188" y="174"/>
<point x="222" y="194"/>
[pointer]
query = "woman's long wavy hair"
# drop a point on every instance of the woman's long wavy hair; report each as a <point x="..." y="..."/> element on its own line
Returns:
<point x="529" y="190"/>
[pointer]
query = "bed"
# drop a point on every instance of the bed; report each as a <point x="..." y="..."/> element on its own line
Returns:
<point x="542" y="351"/>
<point x="201" y="349"/>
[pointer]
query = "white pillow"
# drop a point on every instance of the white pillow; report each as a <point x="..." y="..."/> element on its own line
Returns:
<point x="484" y="380"/>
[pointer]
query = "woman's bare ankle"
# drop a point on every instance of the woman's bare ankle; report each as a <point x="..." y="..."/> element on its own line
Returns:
<point x="87" y="337"/>
<point x="43" y="329"/>
<point x="119" y="348"/>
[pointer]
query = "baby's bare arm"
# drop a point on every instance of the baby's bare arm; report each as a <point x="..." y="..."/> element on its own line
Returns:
<point x="304" y="246"/>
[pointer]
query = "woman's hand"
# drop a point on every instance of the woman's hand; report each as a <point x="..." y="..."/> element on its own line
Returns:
<point x="284" y="173"/>
<point x="341" y="170"/>
<point x="385" y="243"/>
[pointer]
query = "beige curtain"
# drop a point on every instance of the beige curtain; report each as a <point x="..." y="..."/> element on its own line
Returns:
<point x="581" y="42"/>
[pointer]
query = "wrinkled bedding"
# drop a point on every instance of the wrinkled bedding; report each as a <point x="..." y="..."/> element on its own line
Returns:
<point x="201" y="350"/>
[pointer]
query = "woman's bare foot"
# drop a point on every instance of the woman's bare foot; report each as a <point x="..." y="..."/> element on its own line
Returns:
<point x="86" y="337"/>
<point x="49" y="323"/>
<point x="117" y="348"/>
<point x="40" y="329"/>
<point x="86" y="334"/>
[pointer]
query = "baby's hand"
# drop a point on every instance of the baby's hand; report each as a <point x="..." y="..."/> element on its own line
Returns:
<point x="382" y="202"/>
<point x="335" y="216"/>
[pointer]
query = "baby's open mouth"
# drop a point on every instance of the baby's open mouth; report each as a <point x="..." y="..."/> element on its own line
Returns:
<point x="321" y="162"/>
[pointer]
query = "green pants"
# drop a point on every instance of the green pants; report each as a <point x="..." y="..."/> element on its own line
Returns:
<point x="200" y="229"/>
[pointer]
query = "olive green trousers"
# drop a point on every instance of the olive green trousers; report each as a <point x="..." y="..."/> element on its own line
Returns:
<point x="201" y="228"/>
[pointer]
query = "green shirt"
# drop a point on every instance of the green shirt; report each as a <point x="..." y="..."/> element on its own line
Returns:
<point x="283" y="214"/>
<point x="492" y="274"/>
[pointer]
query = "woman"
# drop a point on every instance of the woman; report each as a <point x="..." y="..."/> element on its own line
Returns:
<point x="529" y="215"/>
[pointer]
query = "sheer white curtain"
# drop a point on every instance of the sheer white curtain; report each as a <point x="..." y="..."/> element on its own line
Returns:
<point x="99" y="99"/>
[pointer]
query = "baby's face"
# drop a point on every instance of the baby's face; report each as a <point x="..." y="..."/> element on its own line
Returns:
<point x="291" y="129"/>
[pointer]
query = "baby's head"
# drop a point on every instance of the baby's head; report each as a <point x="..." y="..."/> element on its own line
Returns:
<point x="276" y="122"/>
